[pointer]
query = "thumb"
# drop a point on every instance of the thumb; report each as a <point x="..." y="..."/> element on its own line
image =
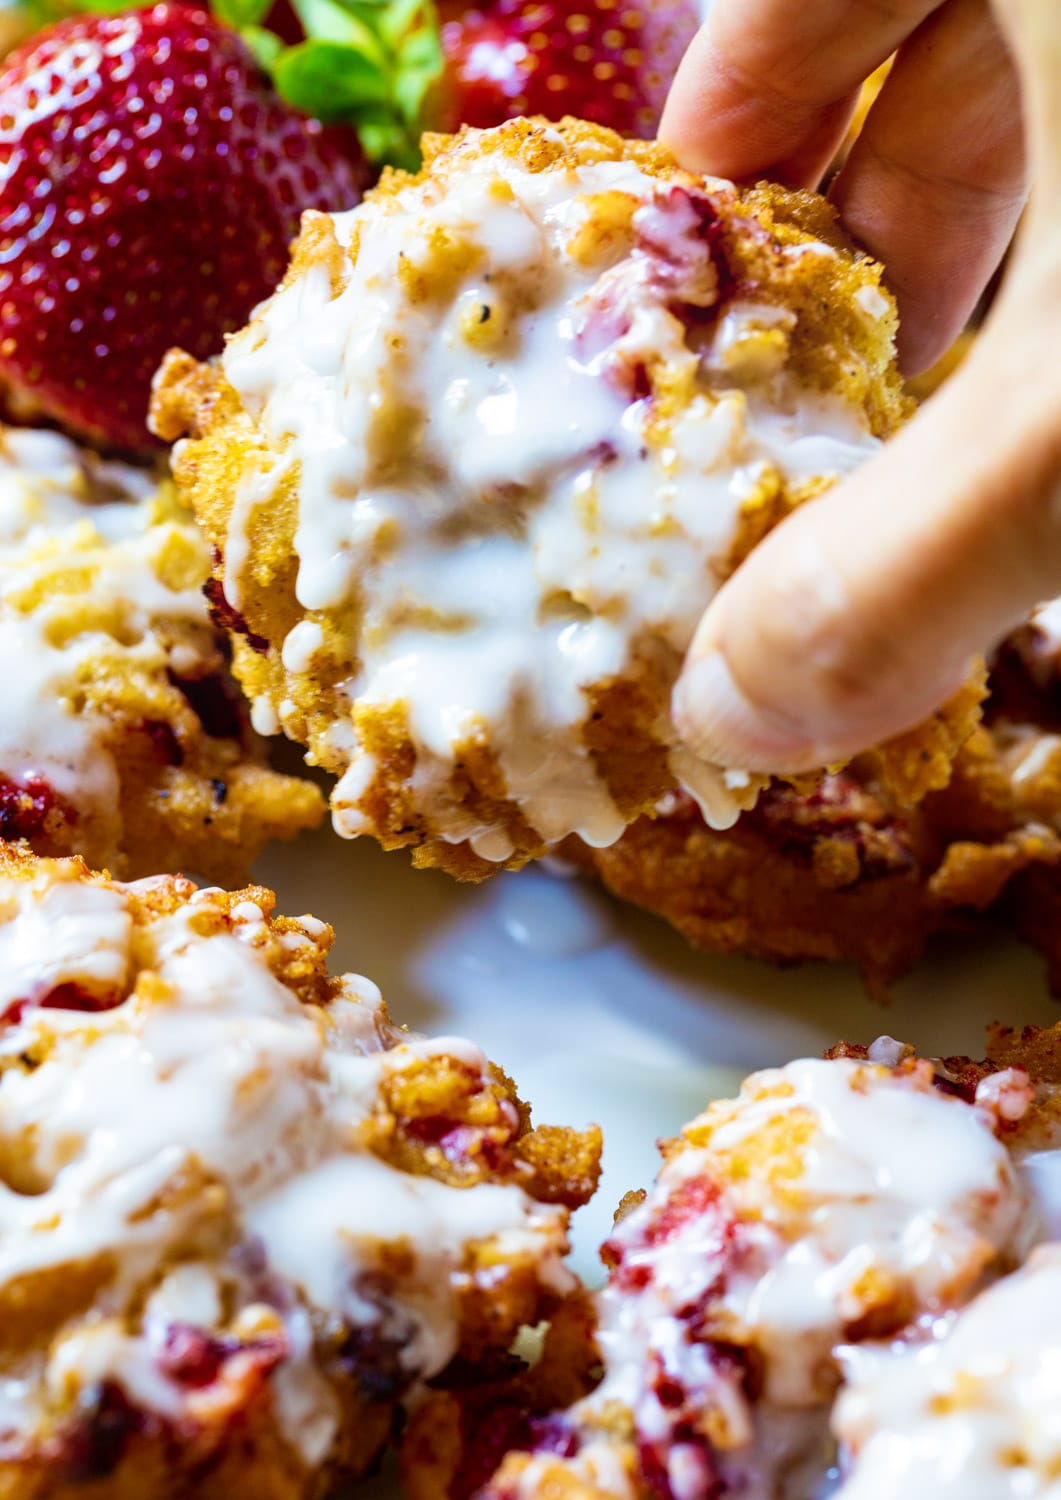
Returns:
<point x="860" y="614"/>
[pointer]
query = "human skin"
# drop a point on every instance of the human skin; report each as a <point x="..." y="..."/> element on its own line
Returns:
<point x="860" y="613"/>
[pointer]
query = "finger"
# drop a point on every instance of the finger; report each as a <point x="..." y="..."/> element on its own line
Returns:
<point x="768" y="86"/>
<point x="859" y="615"/>
<point x="1033" y="31"/>
<point x="935" y="183"/>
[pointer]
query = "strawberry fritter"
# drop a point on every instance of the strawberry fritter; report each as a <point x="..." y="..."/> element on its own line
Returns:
<point x="850" y="868"/>
<point x="836" y="873"/>
<point x="821" y="1231"/>
<point x="846" y="871"/>
<point x="123" y="737"/>
<point x="243" y="1217"/>
<point x="972" y="1416"/>
<point x="473" y="473"/>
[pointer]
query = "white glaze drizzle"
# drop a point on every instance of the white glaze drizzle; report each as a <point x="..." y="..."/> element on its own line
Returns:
<point x="882" y="1182"/>
<point x="61" y="508"/>
<point x="47" y="482"/>
<point x="971" y="1414"/>
<point x="492" y="509"/>
<point x="216" y="1074"/>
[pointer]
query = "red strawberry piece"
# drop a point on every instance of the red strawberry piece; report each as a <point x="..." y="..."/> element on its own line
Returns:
<point x="150" y="184"/>
<point x="611" y="61"/>
<point x="27" y="807"/>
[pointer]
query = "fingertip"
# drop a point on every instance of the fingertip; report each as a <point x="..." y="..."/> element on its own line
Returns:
<point x="935" y="184"/>
<point x="720" y="724"/>
<point x="719" y="123"/>
<point x="693" y="125"/>
<point x="766" y="88"/>
<point x="925" y="335"/>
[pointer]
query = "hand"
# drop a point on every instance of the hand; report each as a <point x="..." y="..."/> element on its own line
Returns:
<point x="861" y="613"/>
<point x="935" y="182"/>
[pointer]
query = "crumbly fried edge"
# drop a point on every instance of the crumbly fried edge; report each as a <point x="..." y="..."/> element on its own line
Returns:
<point x="845" y="872"/>
<point x="834" y="348"/>
<point x="552" y="1164"/>
<point x="196" y="790"/>
<point x="458" y="1443"/>
<point x="837" y="874"/>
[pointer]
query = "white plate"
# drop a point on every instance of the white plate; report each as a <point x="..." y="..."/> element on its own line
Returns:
<point x="600" y="1012"/>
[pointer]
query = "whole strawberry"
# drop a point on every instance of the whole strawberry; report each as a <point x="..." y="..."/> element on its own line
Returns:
<point x="150" y="183"/>
<point x="610" y="61"/>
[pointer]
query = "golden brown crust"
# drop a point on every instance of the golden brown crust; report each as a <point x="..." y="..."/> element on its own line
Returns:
<point x="749" y="1167"/>
<point x="867" y="879"/>
<point x="834" y="347"/>
<point x="834" y="875"/>
<point x="920" y="760"/>
<point x="844" y="871"/>
<point x="193" y="788"/>
<point x="106" y="1445"/>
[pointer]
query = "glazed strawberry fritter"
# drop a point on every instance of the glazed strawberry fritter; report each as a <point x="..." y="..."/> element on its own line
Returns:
<point x="123" y="737"/>
<point x="851" y="868"/>
<point x="827" y="1272"/>
<point x="472" y="474"/>
<point x="937" y="1429"/>
<point x="243" y="1217"/>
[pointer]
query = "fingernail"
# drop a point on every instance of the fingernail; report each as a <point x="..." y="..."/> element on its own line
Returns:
<point x="719" y="724"/>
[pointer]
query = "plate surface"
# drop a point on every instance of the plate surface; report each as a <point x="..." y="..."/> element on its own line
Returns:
<point x="601" y="1012"/>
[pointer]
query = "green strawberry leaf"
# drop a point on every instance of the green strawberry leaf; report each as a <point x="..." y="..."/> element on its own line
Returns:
<point x="420" y="64"/>
<point x="380" y="59"/>
<point x="335" y="21"/>
<point x="384" y="140"/>
<point x="241" y="13"/>
<point x="398" y="18"/>
<point x="100" y="7"/>
<point x="331" y="80"/>
<point x="265" y="45"/>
